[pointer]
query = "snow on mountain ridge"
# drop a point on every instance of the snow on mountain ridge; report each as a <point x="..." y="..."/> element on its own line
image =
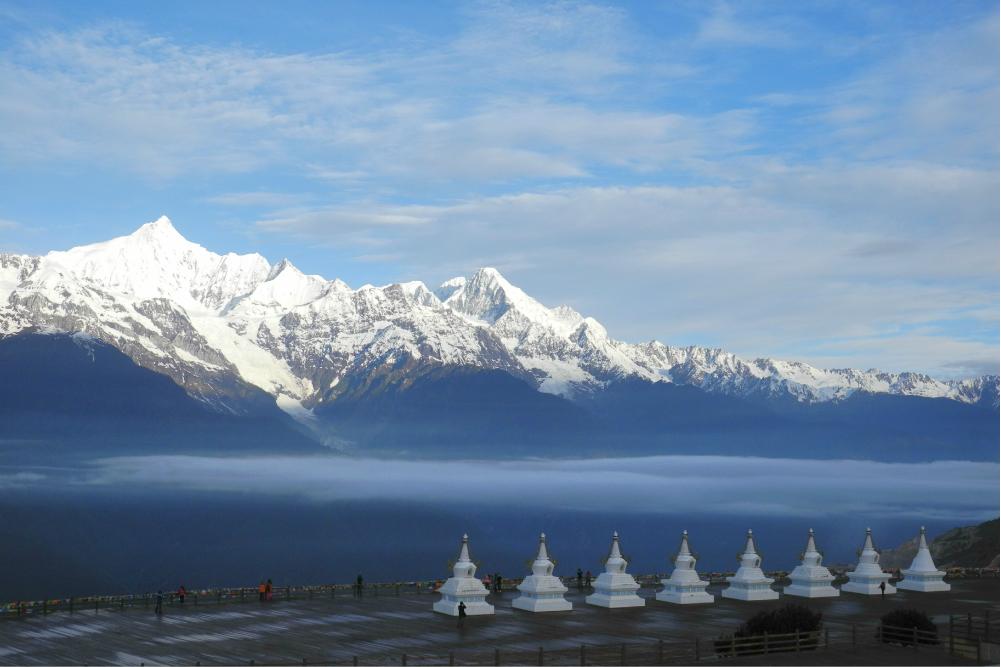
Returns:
<point x="178" y="308"/>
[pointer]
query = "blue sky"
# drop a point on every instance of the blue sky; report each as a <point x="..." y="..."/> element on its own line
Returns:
<point x="814" y="181"/>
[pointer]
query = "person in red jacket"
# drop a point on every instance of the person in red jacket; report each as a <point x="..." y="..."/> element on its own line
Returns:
<point x="181" y="592"/>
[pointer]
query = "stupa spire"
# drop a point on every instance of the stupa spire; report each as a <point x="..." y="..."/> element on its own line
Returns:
<point x="464" y="550"/>
<point x="811" y="546"/>
<point x="543" y="552"/>
<point x="615" y="552"/>
<point x="749" y="546"/>
<point x="922" y="542"/>
<point x="684" y="549"/>
<point x="867" y="545"/>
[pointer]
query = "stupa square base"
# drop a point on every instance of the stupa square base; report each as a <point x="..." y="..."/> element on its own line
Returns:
<point x="866" y="589"/>
<point x="451" y="607"/>
<point x="938" y="586"/>
<point x="750" y="594"/>
<point x="811" y="591"/>
<point x="533" y="604"/>
<point x="675" y="597"/>
<point x="615" y="601"/>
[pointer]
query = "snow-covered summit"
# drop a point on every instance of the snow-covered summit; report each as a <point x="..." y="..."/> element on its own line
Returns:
<point x="156" y="261"/>
<point x="220" y="324"/>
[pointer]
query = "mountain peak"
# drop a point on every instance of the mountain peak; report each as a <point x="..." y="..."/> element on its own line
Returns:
<point x="161" y="228"/>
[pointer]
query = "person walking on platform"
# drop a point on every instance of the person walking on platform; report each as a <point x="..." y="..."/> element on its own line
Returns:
<point x="359" y="585"/>
<point x="261" y="588"/>
<point x="181" y="593"/>
<point x="267" y="591"/>
<point x="587" y="579"/>
<point x="158" y="603"/>
<point x="580" y="579"/>
<point x="462" y="613"/>
<point x="497" y="582"/>
<point x="882" y="589"/>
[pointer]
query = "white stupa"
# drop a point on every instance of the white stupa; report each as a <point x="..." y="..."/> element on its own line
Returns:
<point x="750" y="583"/>
<point x="922" y="575"/>
<point x="614" y="588"/>
<point x="810" y="579"/>
<point x="868" y="575"/>
<point x="684" y="586"/>
<point x="541" y="591"/>
<point x="463" y="586"/>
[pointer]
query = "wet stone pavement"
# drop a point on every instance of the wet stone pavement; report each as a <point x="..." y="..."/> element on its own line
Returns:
<point x="380" y="630"/>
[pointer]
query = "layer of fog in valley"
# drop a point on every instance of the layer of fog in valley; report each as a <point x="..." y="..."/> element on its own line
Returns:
<point x="131" y="524"/>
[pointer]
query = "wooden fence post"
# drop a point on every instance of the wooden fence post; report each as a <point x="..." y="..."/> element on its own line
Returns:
<point x="660" y="651"/>
<point x="914" y="637"/>
<point x="766" y="643"/>
<point x="542" y="656"/>
<point x="733" y="646"/>
<point x="797" y="641"/>
<point x="354" y="661"/>
<point x="403" y="660"/>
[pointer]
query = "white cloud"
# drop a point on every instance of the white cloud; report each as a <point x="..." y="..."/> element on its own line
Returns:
<point x="673" y="484"/>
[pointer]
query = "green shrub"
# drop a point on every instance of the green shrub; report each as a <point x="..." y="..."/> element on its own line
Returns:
<point x="784" y="620"/>
<point x="790" y="618"/>
<point x="896" y="627"/>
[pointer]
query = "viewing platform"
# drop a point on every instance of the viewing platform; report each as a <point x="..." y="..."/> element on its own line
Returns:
<point x="396" y="625"/>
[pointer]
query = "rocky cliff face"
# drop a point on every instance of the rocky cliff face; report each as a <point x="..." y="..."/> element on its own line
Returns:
<point x="968" y="546"/>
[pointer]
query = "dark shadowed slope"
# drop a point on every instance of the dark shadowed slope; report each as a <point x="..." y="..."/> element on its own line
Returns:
<point x="73" y="395"/>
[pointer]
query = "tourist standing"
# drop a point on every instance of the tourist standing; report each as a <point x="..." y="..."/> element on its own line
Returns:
<point x="267" y="591"/>
<point x="359" y="585"/>
<point x="261" y="589"/>
<point x="580" y="579"/>
<point x="587" y="579"/>
<point x="158" y="603"/>
<point x="462" y="613"/>
<point x="181" y="593"/>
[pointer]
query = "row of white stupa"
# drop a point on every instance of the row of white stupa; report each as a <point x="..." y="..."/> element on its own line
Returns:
<point x="543" y="591"/>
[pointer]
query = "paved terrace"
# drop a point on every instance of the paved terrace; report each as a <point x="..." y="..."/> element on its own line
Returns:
<point x="380" y="630"/>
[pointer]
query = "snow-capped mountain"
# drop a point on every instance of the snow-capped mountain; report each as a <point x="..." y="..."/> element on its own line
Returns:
<point x="233" y="328"/>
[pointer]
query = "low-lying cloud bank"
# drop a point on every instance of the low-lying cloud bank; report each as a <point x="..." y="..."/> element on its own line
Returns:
<point x="660" y="484"/>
